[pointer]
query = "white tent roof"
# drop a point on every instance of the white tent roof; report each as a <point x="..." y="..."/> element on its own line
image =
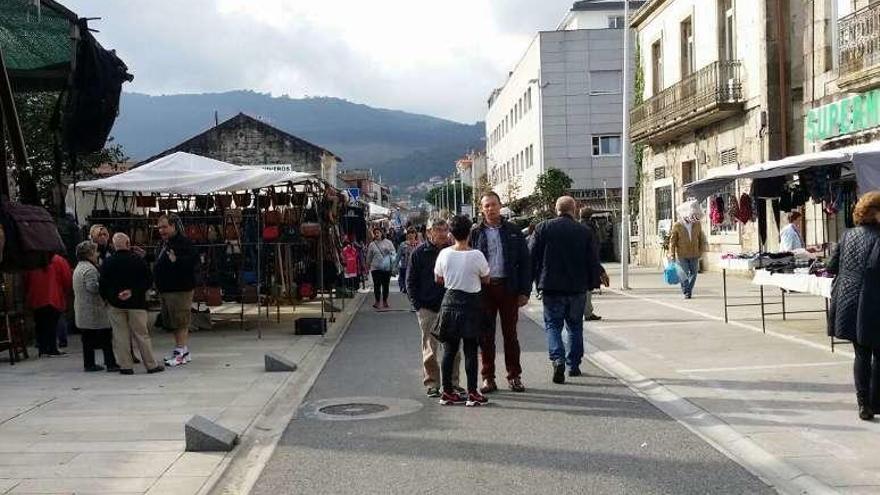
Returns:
<point x="185" y="173"/>
<point x="865" y="159"/>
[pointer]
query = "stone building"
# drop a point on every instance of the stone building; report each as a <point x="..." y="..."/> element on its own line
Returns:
<point x="723" y="89"/>
<point x="244" y="140"/>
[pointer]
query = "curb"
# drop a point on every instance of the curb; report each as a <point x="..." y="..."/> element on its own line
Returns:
<point x="239" y="471"/>
<point x="772" y="470"/>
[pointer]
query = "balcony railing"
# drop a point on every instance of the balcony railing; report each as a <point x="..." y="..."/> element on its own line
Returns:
<point x="859" y="41"/>
<point x="701" y="95"/>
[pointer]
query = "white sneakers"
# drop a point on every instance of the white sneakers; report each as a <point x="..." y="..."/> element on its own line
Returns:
<point x="179" y="357"/>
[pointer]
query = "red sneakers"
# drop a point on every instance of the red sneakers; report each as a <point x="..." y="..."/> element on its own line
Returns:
<point x="475" y="399"/>
<point x="450" y="398"/>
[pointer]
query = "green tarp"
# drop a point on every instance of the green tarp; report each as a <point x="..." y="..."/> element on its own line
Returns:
<point x="36" y="42"/>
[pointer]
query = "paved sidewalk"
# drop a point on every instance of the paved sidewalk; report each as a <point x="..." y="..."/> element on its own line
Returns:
<point x="781" y="404"/>
<point x="66" y="431"/>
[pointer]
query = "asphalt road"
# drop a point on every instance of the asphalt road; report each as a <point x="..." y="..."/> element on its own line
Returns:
<point x="590" y="435"/>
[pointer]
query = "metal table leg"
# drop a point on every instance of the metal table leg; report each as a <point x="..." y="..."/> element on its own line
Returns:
<point x="763" y="311"/>
<point x="724" y="292"/>
<point x="783" y="303"/>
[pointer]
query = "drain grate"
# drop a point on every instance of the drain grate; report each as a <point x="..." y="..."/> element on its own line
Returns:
<point x="353" y="409"/>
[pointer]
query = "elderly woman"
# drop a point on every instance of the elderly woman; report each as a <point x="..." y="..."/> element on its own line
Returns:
<point x="855" y="299"/>
<point x="90" y="310"/>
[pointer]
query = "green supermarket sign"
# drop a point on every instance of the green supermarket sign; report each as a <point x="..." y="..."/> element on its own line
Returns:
<point x="853" y="114"/>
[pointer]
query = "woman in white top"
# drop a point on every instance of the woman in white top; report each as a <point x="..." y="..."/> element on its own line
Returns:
<point x="380" y="259"/>
<point x="462" y="271"/>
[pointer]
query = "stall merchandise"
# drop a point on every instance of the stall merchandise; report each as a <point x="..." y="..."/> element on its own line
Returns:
<point x="264" y="236"/>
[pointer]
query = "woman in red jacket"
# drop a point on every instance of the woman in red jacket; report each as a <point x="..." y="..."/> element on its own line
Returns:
<point x="47" y="290"/>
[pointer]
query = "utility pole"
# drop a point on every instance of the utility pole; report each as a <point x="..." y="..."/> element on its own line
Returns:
<point x="624" y="181"/>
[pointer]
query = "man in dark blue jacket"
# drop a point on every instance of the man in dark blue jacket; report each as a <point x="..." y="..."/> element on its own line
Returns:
<point x="510" y="275"/>
<point x="426" y="296"/>
<point x="566" y="266"/>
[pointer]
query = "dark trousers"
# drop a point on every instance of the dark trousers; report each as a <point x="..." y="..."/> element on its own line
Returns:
<point x="497" y="300"/>
<point x="867" y="373"/>
<point x="46" y="327"/>
<point x="381" y="281"/>
<point x="447" y="364"/>
<point x="401" y="280"/>
<point x="94" y="339"/>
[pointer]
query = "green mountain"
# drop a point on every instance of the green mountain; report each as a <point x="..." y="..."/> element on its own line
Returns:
<point x="403" y="148"/>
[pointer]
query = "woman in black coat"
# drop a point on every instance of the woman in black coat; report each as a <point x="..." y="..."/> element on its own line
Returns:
<point x="855" y="299"/>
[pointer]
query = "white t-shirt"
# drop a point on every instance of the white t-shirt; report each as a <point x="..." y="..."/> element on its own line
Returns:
<point x="461" y="270"/>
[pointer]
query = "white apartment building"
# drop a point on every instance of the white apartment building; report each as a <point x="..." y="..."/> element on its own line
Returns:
<point x="561" y="107"/>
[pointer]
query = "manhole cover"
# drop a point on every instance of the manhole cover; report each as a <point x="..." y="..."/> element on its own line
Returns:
<point x="359" y="408"/>
<point x="354" y="409"/>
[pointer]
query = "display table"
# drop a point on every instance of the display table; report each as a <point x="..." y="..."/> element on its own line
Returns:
<point x="796" y="282"/>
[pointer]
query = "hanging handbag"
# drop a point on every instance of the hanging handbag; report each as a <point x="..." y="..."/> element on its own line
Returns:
<point x="223" y="201"/>
<point x="168" y="204"/>
<point x="204" y="202"/>
<point x="102" y="214"/>
<point x="310" y="230"/>
<point x="242" y="200"/>
<point x="271" y="233"/>
<point x="145" y="201"/>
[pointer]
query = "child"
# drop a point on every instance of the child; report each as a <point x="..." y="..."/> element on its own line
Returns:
<point x="461" y="270"/>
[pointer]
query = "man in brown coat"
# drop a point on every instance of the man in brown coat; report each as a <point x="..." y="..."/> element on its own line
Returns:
<point x="687" y="243"/>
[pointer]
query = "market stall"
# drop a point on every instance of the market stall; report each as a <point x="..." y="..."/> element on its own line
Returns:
<point x="828" y="180"/>
<point x="265" y="237"/>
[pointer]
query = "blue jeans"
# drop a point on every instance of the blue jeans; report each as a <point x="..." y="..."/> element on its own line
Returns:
<point x="690" y="267"/>
<point x="565" y="311"/>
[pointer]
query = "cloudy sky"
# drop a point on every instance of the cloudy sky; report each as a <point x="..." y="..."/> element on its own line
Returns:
<point x="439" y="57"/>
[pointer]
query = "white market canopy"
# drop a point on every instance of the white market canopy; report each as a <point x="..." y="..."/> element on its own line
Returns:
<point x="185" y="173"/>
<point x="378" y="211"/>
<point x="865" y="159"/>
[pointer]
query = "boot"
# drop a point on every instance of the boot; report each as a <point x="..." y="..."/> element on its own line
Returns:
<point x="865" y="411"/>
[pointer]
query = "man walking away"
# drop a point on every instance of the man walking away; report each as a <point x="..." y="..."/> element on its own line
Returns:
<point x="125" y="278"/>
<point x="510" y="284"/>
<point x="426" y="296"/>
<point x="586" y="215"/>
<point x="566" y="268"/>
<point x="175" y="273"/>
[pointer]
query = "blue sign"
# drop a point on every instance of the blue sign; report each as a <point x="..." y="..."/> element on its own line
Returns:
<point x="355" y="192"/>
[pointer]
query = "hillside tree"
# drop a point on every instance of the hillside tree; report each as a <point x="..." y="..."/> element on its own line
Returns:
<point x="550" y="186"/>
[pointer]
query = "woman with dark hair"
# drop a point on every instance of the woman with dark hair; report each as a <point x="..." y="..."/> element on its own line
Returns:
<point x="380" y="259"/>
<point x="462" y="271"/>
<point x="855" y="299"/>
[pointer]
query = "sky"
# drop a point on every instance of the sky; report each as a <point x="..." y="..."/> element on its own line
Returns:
<point x="440" y="58"/>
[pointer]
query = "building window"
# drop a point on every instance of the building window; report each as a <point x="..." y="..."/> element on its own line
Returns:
<point x="728" y="157"/>
<point x="687" y="47"/>
<point x="529" y="98"/>
<point x="688" y="175"/>
<point x="657" y="67"/>
<point x="663" y="207"/>
<point x="531" y="155"/>
<point x="603" y="82"/>
<point x="606" y="145"/>
<point x="616" y="22"/>
<point x="728" y="31"/>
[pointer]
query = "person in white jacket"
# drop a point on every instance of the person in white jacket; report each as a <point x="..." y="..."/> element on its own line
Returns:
<point x="380" y="259"/>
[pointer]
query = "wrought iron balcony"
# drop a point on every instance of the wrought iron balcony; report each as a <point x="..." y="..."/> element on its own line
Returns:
<point x="708" y="95"/>
<point x="859" y="49"/>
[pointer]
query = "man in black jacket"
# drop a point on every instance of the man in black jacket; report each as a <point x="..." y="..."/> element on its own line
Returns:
<point x="175" y="273"/>
<point x="566" y="266"/>
<point x="426" y="295"/>
<point x="509" y="288"/>
<point x="125" y="278"/>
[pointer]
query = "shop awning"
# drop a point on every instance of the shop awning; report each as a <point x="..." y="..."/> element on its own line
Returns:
<point x="185" y="173"/>
<point x="865" y="159"/>
<point x="378" y="211"/>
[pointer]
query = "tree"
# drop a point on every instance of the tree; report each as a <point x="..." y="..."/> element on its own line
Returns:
<point x="438" y="195"/>
<point x="550" y="186"/>
<point x="512" y="189"/>
<point x="639" y="149"/>
<point x="49" y="166"/>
